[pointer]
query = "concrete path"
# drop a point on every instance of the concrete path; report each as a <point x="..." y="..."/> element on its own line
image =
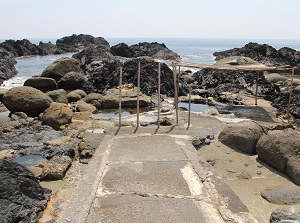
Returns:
<point x="151" y="178"/>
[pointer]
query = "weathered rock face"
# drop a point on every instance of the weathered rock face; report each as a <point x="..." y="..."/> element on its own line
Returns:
<point x="83" y="106"/>
<point x="56" y="168"/>
<point x="76" y="43"/>
<point x="71" y="81"/>
<point x="265" y="54"/>
<point x="57" y="114"/>
<point x="26" y="99"/>
<point x="122" y="50"/>
<point x="7" y="65"/>
<point x="20" y="47"/>
<point x="281" y="102"/>
<point x="242" y="136"/>
<point x="213" y="83"/>
<point x="105" y="75"/>
<point x="280" y="149"/>
<point x="91" y="57"/>
<point x="41" y="83"/>
<point x="22" y="198"/>
<point x="60" y="67"/>
<point x="155" y="50"/>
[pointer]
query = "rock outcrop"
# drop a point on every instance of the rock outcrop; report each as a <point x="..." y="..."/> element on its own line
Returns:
<point x="7" y="65"/>
<point x="22" y="198"/>
<point x="104" y="75"/>
<point x="26" y="99"/>
<point x="265" y="54"/>
<point x="56" y="168"/>
<point x="212" y="83"/>
<point x="280" y="149"/>
<point x="286" y="214"/>
<point x="155" y="50"/>
<point x="76" y="43"/>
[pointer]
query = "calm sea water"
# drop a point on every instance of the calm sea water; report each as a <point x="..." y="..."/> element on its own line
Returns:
<point x="191" y="50"/>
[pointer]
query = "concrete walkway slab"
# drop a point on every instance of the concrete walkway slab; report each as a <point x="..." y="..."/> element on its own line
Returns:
<point x="150" y="178"/>
<point x="146" y="177"/>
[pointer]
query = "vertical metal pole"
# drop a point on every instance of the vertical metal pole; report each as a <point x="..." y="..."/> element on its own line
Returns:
<point x="158" y="97"/>
<point x="190" y="99"/>
<point x="256" y="90"/>
<point x="175" y="92"/>
<point x="291" y="93"/>
<point x="138" y="96"/>
<point x="120" y="96"/>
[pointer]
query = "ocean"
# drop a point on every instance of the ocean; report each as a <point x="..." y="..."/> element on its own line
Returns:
<point x="197" y="50"/>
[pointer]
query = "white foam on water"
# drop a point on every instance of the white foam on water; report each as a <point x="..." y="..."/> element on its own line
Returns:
<point x="14" y="82"/>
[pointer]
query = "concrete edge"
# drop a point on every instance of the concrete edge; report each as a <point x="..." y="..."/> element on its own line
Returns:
<point x="77" y="207"/>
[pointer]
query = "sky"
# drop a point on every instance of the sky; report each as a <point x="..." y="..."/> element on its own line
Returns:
<point x="239" y="19"/>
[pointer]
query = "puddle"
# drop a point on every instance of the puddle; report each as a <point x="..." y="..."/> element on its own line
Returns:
<point x="194" y="107"/>
<point x="30" y="160"/>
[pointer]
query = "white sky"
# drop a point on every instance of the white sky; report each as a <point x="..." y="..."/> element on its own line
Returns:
<point x="257" y="19"/>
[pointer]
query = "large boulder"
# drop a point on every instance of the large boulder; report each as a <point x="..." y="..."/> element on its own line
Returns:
<point x="59" y="96"/>
<point x="94" y="99"/>
<point x="22" y="197"/>
<point x="26" y="99"/>
<point x="282" y="195"/>
<point x="242" y="136"/>
<point x="41" y="83"/>
<point x="60" y="67"/>
<point x="57" y="115"/>
<point x="7" y="64"/>
<point x="82" y="106"/>
<point x="281" y="149"/>
<point x="71" y="81"/>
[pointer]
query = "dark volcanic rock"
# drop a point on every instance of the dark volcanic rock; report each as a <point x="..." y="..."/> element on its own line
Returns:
<point x="22" y="199"/>
<point x="155" y="50"/>
<point x="33" y="141"/>
<point x="20" y="47"/>
<point x="122" y="50"/>
<point x="214" y="82"/>
<point x="75" y="43"/>
<point x="49" y="49"/>
<point x="106" y="75"/>
<point x="92" y="57"/>
<point x="7" y="65"/>
<point x="265" y="54"/>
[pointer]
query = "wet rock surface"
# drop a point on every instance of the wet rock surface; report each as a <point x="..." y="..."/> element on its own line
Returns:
<point x="22" y="198"/>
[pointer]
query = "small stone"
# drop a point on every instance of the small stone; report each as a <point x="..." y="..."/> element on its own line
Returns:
<point x="231" y="170"/>
<point x="230" y="161"/>
<point x="246" y="164"/>
<point x="68" y="220"/>
<point x="260" y="166"/>
<point x="258" y="173"/>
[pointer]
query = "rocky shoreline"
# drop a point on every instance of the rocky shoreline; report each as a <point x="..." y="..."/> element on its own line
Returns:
<point x="55" y="119"/>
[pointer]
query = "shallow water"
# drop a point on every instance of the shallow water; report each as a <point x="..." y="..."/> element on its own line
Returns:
<point x="30" y="160"/>
<point x="194" y="107"/>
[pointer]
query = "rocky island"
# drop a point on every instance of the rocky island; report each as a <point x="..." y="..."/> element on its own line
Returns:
<point x="53" y="114"/>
